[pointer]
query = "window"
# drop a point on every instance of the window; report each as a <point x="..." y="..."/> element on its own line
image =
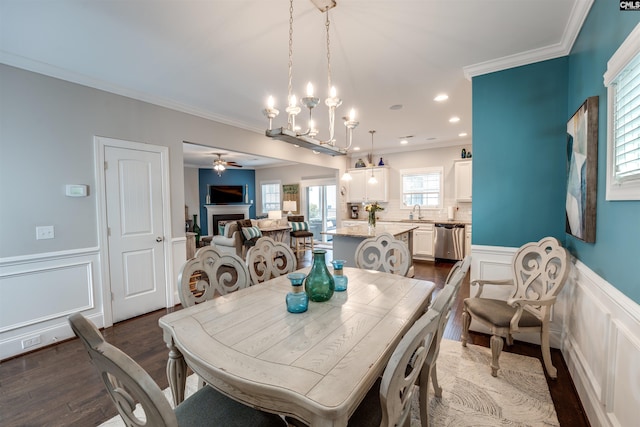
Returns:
<point x="622" y="80"/>
<point x="421" y="187"/>
<point x="270" y="196"/>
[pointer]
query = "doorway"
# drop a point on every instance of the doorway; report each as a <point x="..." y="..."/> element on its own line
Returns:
<point x="134" y="220"/>
<point x="321" y="209"/>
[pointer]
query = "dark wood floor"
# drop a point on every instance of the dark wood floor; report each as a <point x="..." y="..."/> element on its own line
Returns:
<point x="57" y="385"/>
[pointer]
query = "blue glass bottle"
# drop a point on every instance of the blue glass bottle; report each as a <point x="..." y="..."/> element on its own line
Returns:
<point x="319" y="284"/>
<point x="338" y="275"/>
<point x="297" y="299"/>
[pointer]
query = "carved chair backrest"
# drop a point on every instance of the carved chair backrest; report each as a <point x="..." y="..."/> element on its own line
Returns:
<point x="269" y="259"/>
<point x="383" y="252"/>
<point x="540" y="270"/>
<point x="219" y="273"/>
<point x="403" y="368"/>
<point x="126" y="382"/>
<point x="462" y="265"/>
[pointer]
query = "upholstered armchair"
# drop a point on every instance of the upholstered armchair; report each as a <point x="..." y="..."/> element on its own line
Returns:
<point x="230" y="241"/>
<point x="540" y="270"/>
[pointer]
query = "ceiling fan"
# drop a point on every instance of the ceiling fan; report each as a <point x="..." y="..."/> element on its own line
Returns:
<point x="219" y="164"/>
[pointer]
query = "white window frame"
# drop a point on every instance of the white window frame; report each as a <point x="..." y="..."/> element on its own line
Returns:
<point x="628" y="189"/>
<point x="423" y="171"/>
<point x="264" y="211"/>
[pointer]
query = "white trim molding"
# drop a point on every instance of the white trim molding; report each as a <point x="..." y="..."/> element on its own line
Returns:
<point x="563" y="48"/>
<point x="39" y="291"/>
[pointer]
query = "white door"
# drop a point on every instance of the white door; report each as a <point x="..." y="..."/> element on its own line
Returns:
<point x="133" y="192"/>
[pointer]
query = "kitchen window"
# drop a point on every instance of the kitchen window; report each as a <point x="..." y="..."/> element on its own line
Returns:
<point x="270" y="196"/>
<point x="422" y="187"/>
<point x="622" y="80"/>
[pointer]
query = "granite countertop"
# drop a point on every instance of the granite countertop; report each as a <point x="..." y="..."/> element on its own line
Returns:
<point x="363" y="230"/>
<point x="416" y="221"/>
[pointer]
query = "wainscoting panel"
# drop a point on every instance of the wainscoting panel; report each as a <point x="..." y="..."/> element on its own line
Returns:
<point x="179" y="257"/>
<point x="597" y="329"/>
<point x="602" y="349"/>
<point x="38" y="292"/>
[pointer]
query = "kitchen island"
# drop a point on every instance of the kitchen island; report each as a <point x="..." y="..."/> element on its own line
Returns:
<point x="347" y="239"/>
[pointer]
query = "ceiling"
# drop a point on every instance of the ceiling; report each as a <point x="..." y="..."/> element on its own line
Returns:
<point x="221" y="59"/>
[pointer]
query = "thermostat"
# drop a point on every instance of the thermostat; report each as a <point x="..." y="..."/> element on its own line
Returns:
<point x="76" y="190"/>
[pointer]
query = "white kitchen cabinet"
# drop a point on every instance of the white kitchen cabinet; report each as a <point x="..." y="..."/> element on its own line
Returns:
<point x="361" y="191"/>
<point x="463" y="180"/>
<point x="423" y="241"/>
<point x="467" y="240"/>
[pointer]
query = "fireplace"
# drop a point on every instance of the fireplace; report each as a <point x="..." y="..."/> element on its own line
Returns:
<point x="241" y="210"/>
<point x="225" y="217"/>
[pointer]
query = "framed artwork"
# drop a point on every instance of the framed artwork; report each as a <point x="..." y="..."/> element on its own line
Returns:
<point x="582" y="164"/>
<point x="291" y="192"/>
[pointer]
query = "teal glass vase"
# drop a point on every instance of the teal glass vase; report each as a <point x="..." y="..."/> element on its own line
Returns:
<point x="319" y="284"/>
<point x="339" y="278"/>
<point x="297" y="300"/>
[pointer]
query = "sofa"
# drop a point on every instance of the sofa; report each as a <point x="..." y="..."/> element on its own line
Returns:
<point x="232" y="240"/>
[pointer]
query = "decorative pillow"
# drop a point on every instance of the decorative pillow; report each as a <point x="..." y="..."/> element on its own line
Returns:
<point x="299" y="226"/>
<point x="251" y="232"/>
<point x="221" y="228"/>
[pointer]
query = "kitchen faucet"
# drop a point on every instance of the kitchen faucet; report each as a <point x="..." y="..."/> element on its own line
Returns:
<point x="419" y="211"/>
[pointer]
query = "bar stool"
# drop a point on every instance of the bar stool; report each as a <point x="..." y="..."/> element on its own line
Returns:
<point x="299" y="234"/>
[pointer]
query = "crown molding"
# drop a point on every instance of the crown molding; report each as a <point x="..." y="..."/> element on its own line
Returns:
<point x="574" y="25"/>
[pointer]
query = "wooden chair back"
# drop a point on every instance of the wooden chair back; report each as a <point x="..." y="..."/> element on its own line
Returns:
<point x="269" y="259"/>
<point x="383" y="252"/>
<point x="403" y="369"/>
<point x="462" y="265"/>
<point x="540" y="270"/>
<point x="126" y="382"/>
<point x="209" y="272"/>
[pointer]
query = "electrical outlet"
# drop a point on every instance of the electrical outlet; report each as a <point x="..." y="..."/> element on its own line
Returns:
<point x="30" y="342"/>
<point x="44" y="232"/>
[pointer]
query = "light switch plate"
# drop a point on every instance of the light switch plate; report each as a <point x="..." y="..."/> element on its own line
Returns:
<point x="44" y="232"/>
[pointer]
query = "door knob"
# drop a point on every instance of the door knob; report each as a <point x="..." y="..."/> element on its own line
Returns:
<point x="159" y="239"/>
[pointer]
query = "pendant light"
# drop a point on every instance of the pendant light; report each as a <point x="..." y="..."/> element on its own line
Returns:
<point x="373" y="179"/>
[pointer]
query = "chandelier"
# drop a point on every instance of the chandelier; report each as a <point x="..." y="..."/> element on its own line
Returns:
<point x="291" y="133"/>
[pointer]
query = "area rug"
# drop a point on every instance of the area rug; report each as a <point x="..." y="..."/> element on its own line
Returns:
<point x="518" y="396"/>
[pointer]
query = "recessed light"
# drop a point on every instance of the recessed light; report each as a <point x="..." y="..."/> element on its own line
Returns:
<point x="454" y="119"/>
<point x="404" y="142"/>
<point x="396" y="107"/>
<point x="356" y="148"/>
<point x="462" y="134"/>
<point x="296" y="145"/>
<point x="441" y="97"/>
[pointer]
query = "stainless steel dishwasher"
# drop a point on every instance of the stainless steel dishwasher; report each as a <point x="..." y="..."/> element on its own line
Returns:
<point x="449" y="243"/>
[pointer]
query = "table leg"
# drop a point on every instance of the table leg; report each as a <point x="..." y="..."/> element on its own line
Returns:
<point x="176" y="374"/>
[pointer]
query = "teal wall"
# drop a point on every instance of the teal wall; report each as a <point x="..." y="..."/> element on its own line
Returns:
<point x="616" y="252"/>
<point x="231" y="176"/>
<point x="519" y="177"/>
<point x="519" y="171"/>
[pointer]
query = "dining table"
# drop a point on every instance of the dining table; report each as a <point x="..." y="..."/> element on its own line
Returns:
<point x="316" y="366"/>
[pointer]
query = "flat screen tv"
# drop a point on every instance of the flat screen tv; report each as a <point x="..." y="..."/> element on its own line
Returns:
<point x="223" y="194"/>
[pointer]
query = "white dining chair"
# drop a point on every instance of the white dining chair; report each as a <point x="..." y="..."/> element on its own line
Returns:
<point x="383" y="252"/>
<point x="211" y="272"/>
<point x="388" y="402"/>
<point x="540" y="270"/>
<point x="268" y="259"/>
<point x="462" y="265"/>
<point x="129" y="385"/>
